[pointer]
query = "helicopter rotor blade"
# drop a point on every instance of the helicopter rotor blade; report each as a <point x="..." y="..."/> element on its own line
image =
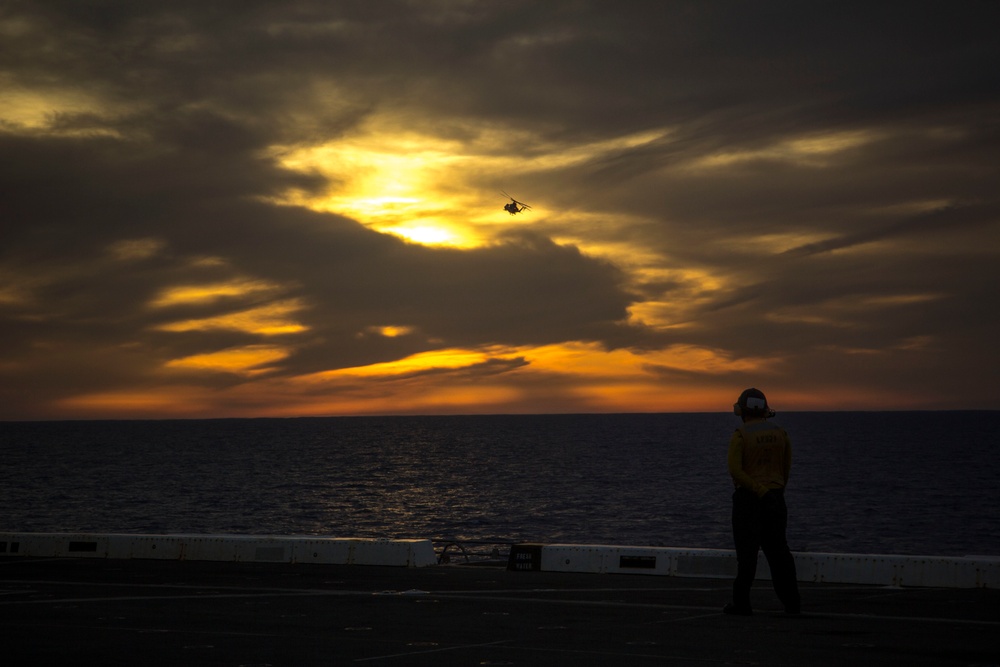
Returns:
<point x="514" y="201"/>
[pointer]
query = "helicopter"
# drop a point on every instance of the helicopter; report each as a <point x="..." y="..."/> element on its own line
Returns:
<point x="514" y="206"/>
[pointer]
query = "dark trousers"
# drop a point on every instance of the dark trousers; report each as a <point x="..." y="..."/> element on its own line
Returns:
<point x="760" y="524"/>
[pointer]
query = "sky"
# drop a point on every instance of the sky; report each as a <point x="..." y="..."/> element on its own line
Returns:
<point x="295" y="207"/>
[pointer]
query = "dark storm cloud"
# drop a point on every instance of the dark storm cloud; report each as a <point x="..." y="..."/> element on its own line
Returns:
<point x="79" y="297"/>
<point x="186" y="98"/>
<point x="950" y="219"/>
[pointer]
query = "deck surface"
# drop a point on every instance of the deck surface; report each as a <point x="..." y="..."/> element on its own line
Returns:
<point x="71" y="611"/>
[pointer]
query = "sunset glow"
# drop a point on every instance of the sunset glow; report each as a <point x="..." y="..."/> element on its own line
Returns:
<point x="307" y="217"/>
<point x="245" y="361"/>
<point x="270" y="320"/>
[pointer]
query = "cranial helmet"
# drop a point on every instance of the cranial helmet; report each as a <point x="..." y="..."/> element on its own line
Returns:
<point x="752" y="403"/>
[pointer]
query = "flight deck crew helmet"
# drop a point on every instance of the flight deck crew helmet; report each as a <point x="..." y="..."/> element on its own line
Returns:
<point x="752" y="403"/>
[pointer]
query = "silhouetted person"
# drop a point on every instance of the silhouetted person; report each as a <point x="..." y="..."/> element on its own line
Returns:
<point x="760" y="458"/>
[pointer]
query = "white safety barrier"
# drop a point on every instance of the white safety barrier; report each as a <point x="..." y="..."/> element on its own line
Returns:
<point x="235" y="548"/>
<point x="874" y="569"/>
<point x="887" y="570"/>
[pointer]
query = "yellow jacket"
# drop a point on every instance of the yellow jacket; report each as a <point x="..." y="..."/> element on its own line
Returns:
<point x="760" y="456"/>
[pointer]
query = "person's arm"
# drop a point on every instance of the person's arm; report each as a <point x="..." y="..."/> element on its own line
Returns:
<point x="735" y="464"/>
<point x="788" y="457"/>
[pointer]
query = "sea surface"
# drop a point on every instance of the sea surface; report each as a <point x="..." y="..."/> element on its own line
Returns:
<point x="923" y="483"/>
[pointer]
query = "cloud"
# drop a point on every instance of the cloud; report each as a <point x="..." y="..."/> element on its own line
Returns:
<point x="155" y="267"/>
<point x="808" y="183"/>
<point x="947" y="220"/>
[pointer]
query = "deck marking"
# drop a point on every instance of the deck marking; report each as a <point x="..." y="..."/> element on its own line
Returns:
<point x="718" y="610"/>
<point x="435" y="650"/>
<point x="474" y="595"/>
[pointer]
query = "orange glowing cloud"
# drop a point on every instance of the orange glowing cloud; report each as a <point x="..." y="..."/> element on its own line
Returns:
<point x="207" y="293"/>
<point x="249" y="360"/>
<point x="447" y="359"/>
<point x="270" y="320"/>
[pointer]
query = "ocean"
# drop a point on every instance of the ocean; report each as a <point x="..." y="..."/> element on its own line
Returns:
<point x="918" y="483"/>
